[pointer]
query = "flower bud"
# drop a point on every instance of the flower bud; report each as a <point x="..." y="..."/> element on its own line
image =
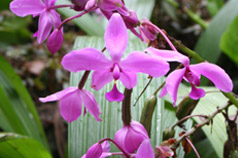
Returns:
<point x="147" y="112"/>
<point x="95" y="151"/>
<point x="185" y="107"/>
<point x="55" y="41"/>
<point x="168" y="133"/>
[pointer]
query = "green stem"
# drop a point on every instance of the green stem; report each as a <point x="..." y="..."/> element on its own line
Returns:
<point x="195" y="17"/>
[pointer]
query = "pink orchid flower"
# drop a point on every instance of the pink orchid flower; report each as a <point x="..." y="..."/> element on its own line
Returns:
<point x="145" y="150"/>
<point x="106" y="70"/>
<point x="130" y="137"/>
<point x="98" y="151"/>
<point x="191" y="74"/>
<point x="71" y="103"/>
<point x="48" y="17"/>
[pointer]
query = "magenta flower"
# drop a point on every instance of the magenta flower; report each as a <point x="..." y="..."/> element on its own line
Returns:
<point x="145" y="150"/>
<point x="98" y="151"/>
<point x="71" y="103"/>
<point x="106" y="70"/>
<point x="191" y="74"/>
<point x="48" y="17"/>
<point x="130" y="137"/>
<point x="55" y="41"/>
<point x="148" y="31"/>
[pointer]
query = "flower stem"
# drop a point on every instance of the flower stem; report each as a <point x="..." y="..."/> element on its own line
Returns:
<point x="118" y="146"/>
<point x="191" y="144"/>
<point x="195" y="17"/>
<point x="206" y="121"/>
<point x="74" y="17"/>
<point x="187" y="117"/>
<point x="59" y="6"/>
<point x="126" y="107"/>
<point x="83" y="79"/>
<point x="147" y="85"/>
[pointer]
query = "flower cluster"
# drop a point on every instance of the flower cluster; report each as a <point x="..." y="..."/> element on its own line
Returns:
<point x="132" y="139"/>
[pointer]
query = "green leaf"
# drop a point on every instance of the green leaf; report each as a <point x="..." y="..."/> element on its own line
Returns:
<point x="17" y="111"/>
<point x="13" y="30"/>
<point x="86" y="130"/>
<point x="17" y="146"/>
<point x="229" y="41"/>
<point x="208" y="43"/>
<point x="214" y="6"/>
<point x="204" y="149"/>
<point x="4" y="5"/>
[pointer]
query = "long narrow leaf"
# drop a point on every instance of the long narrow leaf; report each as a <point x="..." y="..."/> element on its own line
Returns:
<point x="18" y="113"/>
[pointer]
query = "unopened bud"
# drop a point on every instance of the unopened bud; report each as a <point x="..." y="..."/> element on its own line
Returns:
<point x="168" y="133"/>
<point x="185" y="107"/>
<point x="147" y="112"/>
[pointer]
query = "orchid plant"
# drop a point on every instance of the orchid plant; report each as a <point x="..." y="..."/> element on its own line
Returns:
<point x="132" y="139"/>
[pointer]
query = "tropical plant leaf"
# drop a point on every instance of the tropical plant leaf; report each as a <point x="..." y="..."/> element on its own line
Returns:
<point x="214" y="6"/>
<point x="17" y="146"/>
<point x="208" y="43"/>
<point x="17" y="111"/>
<point x="229" y="41"/>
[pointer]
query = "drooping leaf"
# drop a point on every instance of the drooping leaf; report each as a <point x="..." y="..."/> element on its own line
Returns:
<point x="17" y="146"/>
<point x="214" y="6"/>
<point x="208" y="43"/>
<point x="17" y="111"/>
<point x="229" y="41"/>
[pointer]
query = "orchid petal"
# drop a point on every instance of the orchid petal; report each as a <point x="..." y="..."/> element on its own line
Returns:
<point x="139" y="128"/>
<point x="105" y="154"/>
<point x="109" y="5"/>
<point x="196" y="93"/>
<point x="114" y="95"/>
<point x="172" y="83"/>
<point x="128" y="79"/>
<point x="85" y="59"/>
<point x="116" y="37"/>
<point x="54" y="18"/>
<point x="100" y="78"/>
<point x="26" y="7"/>
<point x="71" y="106"/>
<point x="169" y="55"/>
<point x="141" y="62"/>
<point x="120" y="136"/>
<point x="59" y="95"/>
<point x="91" y="104"/>
<point x="214" y="73"/>
<point x="145" y="150"/>
<point x="55" y="41"/>
<point x="44" y="26"/>
<point x="95" y="151"/>
<point x="105" y="146"/>
<point x="49" y="3"/>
